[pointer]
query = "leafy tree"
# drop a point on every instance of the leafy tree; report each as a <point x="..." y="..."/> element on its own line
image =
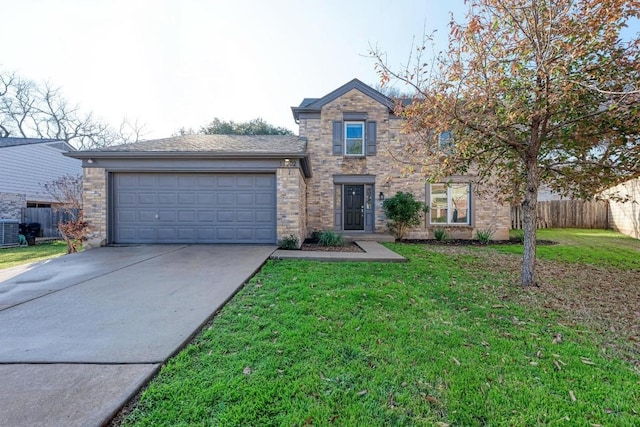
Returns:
<point x="403" y="212"/>
<point x="253" y="127"/>
<point x="533" y="92"/>
<point x="38" y="110"/>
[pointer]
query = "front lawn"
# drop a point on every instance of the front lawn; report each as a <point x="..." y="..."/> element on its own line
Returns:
<point x="11" y="257"/>
<point x="445" y="339"/>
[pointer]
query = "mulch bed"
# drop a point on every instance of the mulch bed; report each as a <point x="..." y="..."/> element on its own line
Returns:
<point x="311" y="245"/>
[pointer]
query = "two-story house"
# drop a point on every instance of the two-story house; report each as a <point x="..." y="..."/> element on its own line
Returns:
<point x="258" y="189"/>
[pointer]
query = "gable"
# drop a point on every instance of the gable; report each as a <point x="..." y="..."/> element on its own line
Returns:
<point x="311" y="107"/>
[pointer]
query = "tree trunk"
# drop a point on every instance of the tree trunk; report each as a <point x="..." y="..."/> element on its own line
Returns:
<point x="530" y="224"/>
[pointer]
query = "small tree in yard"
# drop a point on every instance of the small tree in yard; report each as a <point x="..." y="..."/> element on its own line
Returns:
<point x="532" y="92"/>
<point x="67" y="192"/>
<point x="403" y="212"/>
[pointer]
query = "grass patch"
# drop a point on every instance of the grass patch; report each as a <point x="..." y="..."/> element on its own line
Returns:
<point x="11" y="257"/>
<point x="593" y="247"/>
<point x="367" y="344"/>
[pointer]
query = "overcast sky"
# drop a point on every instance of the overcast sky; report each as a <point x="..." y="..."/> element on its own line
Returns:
<point x="172" y="63"/>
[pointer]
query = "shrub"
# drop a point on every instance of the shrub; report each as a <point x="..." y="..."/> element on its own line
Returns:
<point x="315" y="235"/>
<point x="403" y="212"/>
<point x="484" y="236"/>
<point x="74" y="232"/>
<point x="330" y="238"/>
<point x="440" y="234"/>
<point x="518" y="235"/>
<point x="290" y="242"/>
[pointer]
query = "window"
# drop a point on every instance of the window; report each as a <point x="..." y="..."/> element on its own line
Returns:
<point x="450" y="203"/>
<point x="354" y="138"/>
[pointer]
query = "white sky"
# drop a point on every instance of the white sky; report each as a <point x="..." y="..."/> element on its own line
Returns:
<point x="172" y="63"/>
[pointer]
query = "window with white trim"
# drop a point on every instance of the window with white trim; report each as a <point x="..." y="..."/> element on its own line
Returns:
<point x="354" y="138"/>
<point x="450" y="204"/>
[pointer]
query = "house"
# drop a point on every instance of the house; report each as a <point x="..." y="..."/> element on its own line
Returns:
<point x="259" y="189"/>
<point x="625" y="216"/>
<point x="25" y="165"/>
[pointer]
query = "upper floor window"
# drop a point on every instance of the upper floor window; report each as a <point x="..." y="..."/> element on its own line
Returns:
<point x="450" y="203"/>
<point x="354" y="138"/>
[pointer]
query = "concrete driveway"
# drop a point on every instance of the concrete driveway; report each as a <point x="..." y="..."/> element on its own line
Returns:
<point x="80" y="334"/>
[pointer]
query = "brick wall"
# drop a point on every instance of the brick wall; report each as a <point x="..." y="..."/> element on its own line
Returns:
<point x="625" y="217"/>
<point x="11" y="205"/>
<point x="291" y="203"/>
<point x="95" y="206"/>
<point x="387" y="167"/>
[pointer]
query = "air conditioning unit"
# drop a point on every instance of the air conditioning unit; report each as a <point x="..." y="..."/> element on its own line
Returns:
<point x="9" y="233"/>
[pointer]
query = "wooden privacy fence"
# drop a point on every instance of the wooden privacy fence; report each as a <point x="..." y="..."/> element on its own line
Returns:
<point x="47" y="218"/>
<point x="567" y="214"/>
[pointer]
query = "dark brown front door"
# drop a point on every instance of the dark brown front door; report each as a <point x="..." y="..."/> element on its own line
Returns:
<point x="354" y="207"/>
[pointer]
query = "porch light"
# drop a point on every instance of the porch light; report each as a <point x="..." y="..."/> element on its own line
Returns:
<point x="381" y="196"/>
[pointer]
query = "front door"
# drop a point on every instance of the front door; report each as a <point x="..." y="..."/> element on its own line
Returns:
<point x="354" y="207"/>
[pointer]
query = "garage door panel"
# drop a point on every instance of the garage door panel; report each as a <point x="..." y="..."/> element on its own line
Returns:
<point x="225" y="234"/>
<point x="167" y="198"/>
<point x="187" y="216"/>
<point x="226" y="181"/>
<point x="194" y="208"/>
<point x="244" y="199"/>
<point x="225" y="199"/>
<point x="263" y="199"/>
<point x="245" y="216"/>
<point x="187" y="198"/>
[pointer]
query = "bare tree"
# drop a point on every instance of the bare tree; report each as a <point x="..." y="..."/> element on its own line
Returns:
<point x="67" y="192"/>
<point x="33" y="110"/>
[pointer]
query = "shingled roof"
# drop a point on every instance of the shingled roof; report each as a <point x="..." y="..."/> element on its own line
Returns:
<point x="231" y="144"/>
<point x="14" y="142"/>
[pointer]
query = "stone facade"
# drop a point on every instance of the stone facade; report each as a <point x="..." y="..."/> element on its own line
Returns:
<point x="387" y="167"/>
<point x="95" y="206"/>
<point x="291" y="204"/>
<point x="11" y="205"/>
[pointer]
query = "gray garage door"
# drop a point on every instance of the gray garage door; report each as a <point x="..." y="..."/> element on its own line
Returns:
<point x="194" y="208"/>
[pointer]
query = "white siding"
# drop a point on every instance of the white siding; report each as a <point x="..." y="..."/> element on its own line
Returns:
<point x="24" y="168"/>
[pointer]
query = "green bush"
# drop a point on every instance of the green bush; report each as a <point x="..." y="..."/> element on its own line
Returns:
<point x="403" y="212"/>
<point x="517" y="235"/>
<point x="484" y="236"/>
<point x="330" y="238"/>
<point x="290" y="242"/>
<point x="440" y="234"/>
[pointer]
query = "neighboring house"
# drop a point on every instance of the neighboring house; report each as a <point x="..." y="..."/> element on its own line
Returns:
<point x="25" y="165"/>
<point x="546" y="194"/>
<point x="258" y="189"/>
<point x="625" y="217"/>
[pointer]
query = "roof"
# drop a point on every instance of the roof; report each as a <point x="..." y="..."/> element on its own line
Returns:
<point x="314" y="105"/>
<point x="231" y="144"/>
<point x="14" y="142"/>
<point x="207" y="146"/>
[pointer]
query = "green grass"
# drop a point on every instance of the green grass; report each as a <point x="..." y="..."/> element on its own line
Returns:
<point x="360" y="344"/>
<point x="11" y="257"/>
<point x="593" y="247"/>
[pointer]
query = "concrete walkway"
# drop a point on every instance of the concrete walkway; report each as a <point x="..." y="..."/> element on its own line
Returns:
<point x="373" y="252"/>
<point x="80" y="334"/>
